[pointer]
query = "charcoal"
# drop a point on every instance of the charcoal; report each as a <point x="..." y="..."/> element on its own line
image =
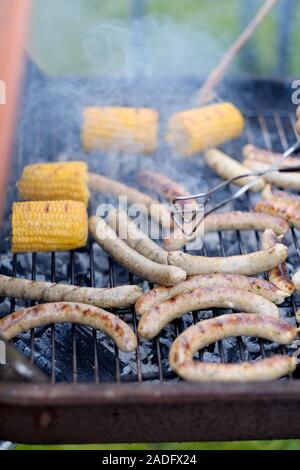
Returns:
<point x="49" y="130"/>
<point x="64" y="354"/>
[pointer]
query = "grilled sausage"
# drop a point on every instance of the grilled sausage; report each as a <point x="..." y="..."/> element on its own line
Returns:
<point x="209" y="331"/>
<point x="164" y="186"/>
<point x="227" y="168"/>
<point x="250" y="152"/>
<point x="250" y="284"/>
<point x="283" y="180"/>
<point x="238" y="220"/>
<point x="136" y="238"/>
<point x="279" y="275"/>
<point x="153" y="321"/>
<point x="235" y="220"/>
<point x="282" y="209"/>
<point x="150" y="206"/>
<point x="248" y="265"/>
<point x="130" y="259"/>
<point x="69" y="312"/>
<point x="122" y="296"/>
<point x="171" y="190"/>
<point x="270" y="194"/>
<point x="296" y="280"/>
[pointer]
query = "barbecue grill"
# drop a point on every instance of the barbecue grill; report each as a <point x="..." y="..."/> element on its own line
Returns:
<point x="95" y="393"/>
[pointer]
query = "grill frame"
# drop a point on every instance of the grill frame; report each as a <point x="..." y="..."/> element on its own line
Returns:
<point x="149" y="412"/>
<point x="152" y="412"/>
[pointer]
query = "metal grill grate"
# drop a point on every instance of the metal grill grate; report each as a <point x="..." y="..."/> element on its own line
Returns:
<point x="270" y="129"/>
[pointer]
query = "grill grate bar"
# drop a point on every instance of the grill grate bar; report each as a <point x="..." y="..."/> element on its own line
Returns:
<point x="53" y="354"/>
<point x="14" y="274"/>
<point x="265" y="132"/>
<point x="33" y="277"/>
<point x="135" y="326"/>
<point x="74" y="328"/>
<point x="239" y="339"/>
<point x="117" y="361"/>
<point x="92" y="284"/>
<point x="260" y="129"/>
<point x="215" y="312"/>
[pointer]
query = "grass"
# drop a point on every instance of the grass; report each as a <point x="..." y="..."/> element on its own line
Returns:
<point x="247" y="445"/>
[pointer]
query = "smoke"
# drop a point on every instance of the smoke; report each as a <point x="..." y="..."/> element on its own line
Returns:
<point x="151" y="47"/>
<point x="99" y="37"/>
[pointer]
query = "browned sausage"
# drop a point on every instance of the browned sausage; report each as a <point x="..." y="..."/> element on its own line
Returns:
<point x="289" y="212"/>
<point x="283" y="180"/>
<point x="69" y="312"/>
<point x="153" y="321"/>
<point x="130" y="259"/>
<point x="171" y="190"/>
<point x="250" y="152"/>
<point x="227" y="168"/>
<point x="151" y="207"/>
<point x="248" y="265"/>
<point x="136" y="238"/>
<point x="164" y="186"/>
<point x="279" y="275"/>
<point x="290" y="199"/>
<point x="296" y="280"/>
<point x="235" y="220"/>
<point x="209" y="331"/>
<point x="121" y="296"/>
<point x="250" y="284"/>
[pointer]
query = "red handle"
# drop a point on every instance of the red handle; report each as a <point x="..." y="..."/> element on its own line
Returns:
<point x="14" y="15"/>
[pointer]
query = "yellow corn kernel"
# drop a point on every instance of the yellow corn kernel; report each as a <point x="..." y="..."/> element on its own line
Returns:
<point x="48" y="226"/>
<point x="120" y="129"/>
<point x="55" y="181"/>
<point x="195" y="130"/>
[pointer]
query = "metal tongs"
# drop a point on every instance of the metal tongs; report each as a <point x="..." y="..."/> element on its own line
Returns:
<point x="178" y="209"/>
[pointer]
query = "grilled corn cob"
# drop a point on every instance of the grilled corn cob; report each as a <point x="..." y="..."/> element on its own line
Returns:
<point x="195" y="130"/>
<point x="117" y="129"/>
<point x="48" y="226"/>
<point x="55" y="181"/>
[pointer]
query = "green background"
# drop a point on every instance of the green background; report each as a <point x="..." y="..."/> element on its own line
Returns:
<point x="178" y="37"/>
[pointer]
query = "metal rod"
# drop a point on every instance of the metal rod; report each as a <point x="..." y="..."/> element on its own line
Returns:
<point x="206" y="92"/>
<point x="92" y="284"/>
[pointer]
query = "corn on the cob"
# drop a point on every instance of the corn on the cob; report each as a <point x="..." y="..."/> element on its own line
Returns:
<point x="48" y="226"/>
<point x="55" y="181"/>
<point x="117" y="129"/>
<point x="195" y="130"/>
